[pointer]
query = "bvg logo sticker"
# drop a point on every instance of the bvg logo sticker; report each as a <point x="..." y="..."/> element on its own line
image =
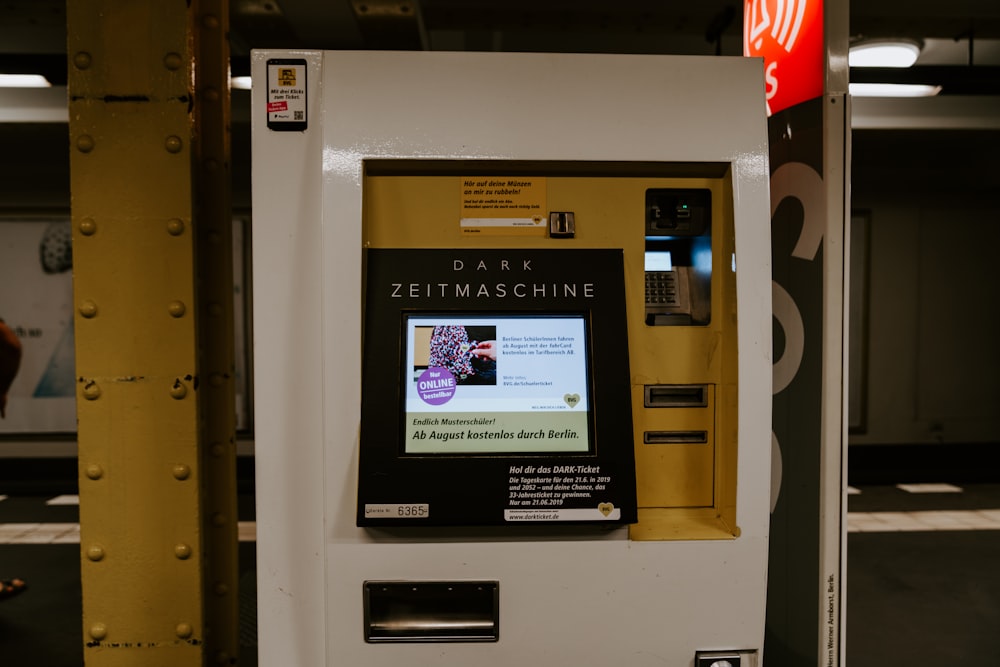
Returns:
<point x="788" y="34"/>
<point x="786" y="25"/>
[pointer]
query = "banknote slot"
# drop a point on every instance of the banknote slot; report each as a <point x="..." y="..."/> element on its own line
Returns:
<point x="674" y="437"/>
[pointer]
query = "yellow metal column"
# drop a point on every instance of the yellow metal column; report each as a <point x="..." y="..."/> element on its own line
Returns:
<point x="152" y="245"/>
<point x="214" y="271"/>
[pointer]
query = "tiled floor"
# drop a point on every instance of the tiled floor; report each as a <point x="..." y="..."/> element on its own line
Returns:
<point x="948" y="516"/>
<point x="923" y="582"/>
<point x="39" y="542"/>
<point x="69" y="533"/>
<point x="888" y="522"/>
<point x="857" y="521"/>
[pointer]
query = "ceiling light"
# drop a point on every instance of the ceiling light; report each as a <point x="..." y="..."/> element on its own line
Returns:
<point x="884" y="53"/>
<point x="24" y="81"/>
<point x="240" y="82"/>
<point x="893" y="90"/>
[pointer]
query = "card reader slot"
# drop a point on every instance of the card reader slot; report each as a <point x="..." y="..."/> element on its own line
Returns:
<point x="674" y="437"/>
<point x="675" y="396"/>
<point x="432" y="611"/>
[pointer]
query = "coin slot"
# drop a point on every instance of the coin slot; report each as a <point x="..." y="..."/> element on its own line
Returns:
<point x="675" y="396"/>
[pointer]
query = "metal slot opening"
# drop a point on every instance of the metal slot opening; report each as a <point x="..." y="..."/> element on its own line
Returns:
<point x="432" y="611"/>
<point x="675" y="396"/>
<point x="675" y="437"/>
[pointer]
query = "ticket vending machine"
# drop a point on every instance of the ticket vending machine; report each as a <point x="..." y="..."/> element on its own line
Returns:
<point x="512" y="359"/>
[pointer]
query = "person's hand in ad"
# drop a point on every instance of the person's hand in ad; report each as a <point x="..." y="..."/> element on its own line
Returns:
<point x="485" y="350"/>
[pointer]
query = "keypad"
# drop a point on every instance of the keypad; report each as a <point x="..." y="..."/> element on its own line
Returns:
<point x="661" y="288"/>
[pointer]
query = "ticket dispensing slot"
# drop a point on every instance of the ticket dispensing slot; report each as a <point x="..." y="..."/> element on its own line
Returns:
<point x="431" y="611"/>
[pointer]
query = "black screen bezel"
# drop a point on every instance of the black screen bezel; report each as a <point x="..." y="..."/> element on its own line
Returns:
<point x="479" y="490"/>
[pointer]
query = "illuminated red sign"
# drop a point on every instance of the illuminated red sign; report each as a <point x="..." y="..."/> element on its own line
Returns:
<point x="788" y="34"/>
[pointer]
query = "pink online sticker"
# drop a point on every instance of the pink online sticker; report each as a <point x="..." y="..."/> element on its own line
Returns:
<point x="273" y="107"/>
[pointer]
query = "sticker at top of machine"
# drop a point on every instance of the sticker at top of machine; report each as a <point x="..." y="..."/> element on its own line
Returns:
<point x="286" y="94"/>
<point x="503" y="205"/>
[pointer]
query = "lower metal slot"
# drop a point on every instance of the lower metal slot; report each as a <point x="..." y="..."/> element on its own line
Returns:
<point x="675" y="437"/>
<point x="432" y="611"/>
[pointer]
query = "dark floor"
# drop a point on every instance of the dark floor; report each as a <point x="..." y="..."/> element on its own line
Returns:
<point x="921" y="597"/>
<point x="42" y="626"/>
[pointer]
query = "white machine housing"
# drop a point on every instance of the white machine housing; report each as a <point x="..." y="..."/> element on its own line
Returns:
<point x="572" y="599"/>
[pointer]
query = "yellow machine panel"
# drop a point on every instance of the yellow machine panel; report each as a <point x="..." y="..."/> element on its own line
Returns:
<point x="682" y="355"/>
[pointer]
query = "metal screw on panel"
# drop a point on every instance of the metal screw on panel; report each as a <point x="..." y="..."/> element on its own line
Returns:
<point x="210" y="21"/>
<point x="91" y="391"/>
<point x="178" y="390"/>
<point x="94" y="472"/>
<point x="182" y="551"/>
<point x="98" y="631"/>
<point x="81" y="60"/>
<point x="85" y="143"/>
<point x="211" y="94"/>
<point x="176" y="308"/>
<point x="88" y="227"/>
<point x="216" y="379"/>
<point x="175" y="226"/>
<point x="88" y="309"/>
<point x="184" y="630"/>
<point x="173" y="144"/>
<point x="221" y="589"/>
<point x="95" y="552"/>
<point x="181" y="471"/>
<point x="217" y="449"/>
<point x="173" y="61"/>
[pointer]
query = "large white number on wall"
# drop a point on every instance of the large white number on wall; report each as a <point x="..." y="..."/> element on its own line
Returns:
<point x="802" y="182"/>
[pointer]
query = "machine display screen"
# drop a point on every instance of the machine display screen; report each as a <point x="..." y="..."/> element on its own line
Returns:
<point x="658" y="261"/>
<point x="508" y="383"/>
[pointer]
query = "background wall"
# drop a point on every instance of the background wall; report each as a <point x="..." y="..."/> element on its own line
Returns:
<point x="931" y="201"/>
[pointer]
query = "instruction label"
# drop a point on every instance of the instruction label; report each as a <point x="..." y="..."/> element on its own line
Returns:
<point x="286" y="94"/>
<point x="503" y="205"/>
<point x="560" y="492"/>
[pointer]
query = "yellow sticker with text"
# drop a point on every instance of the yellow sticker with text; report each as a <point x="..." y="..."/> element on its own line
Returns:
<point x="503" y="205"/>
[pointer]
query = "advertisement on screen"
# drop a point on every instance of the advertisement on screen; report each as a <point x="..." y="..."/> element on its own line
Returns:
<point x="483" y="385"/>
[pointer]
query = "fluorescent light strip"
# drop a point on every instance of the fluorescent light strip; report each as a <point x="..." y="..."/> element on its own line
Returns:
<point x="24" y="81"/>
<point x="884" y="54"/>
<point x="893" y="90"/>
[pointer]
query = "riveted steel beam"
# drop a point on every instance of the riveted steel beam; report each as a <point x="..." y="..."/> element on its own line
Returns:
<point x="149" y="158"/>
